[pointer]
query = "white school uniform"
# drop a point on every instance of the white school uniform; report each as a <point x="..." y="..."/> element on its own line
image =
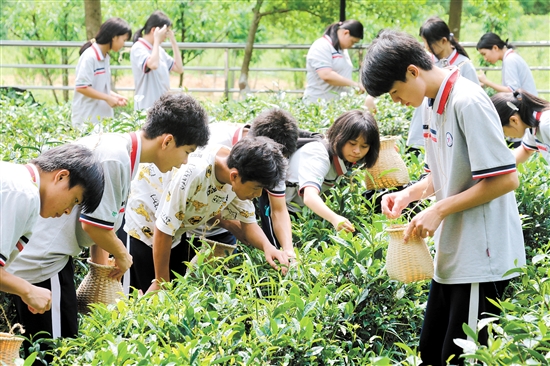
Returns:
<point x="151" y="84"/>
<point x="323" y="55"/>
<point x="417" y="128"/>
<point x="57" y="239"/>
<point x="93" y="71"/>
<point x="20" y="208"/>
<point x="516" y="73"/>
<point x="311" y="166"/>
<point x="466" y="145"/>
<point x="538" y="139"/>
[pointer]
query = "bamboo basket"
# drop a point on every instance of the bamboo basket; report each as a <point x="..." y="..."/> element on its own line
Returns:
<point x="410" y="261"/>
<point x="10" y="345"/>
<point x="98" y="287"/>
<point x="218" y="250"/>
<point x="390" y="169"/>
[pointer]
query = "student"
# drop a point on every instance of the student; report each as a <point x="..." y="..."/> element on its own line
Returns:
<point x="522" y="112"/>
<point x="353" y="141"/>
<point x="472" y="175"/>
<point x="93" y="99"/>
<point x="175" y="126"/>
<point x="446" y="52"/>
<point x="328" y="65"/>
<point x="150" y="184"/>
<point x="49" y="186"/>
<point x="515" y="71"/>
<point x="151" y="65"/>
<point x="217" y="181"/>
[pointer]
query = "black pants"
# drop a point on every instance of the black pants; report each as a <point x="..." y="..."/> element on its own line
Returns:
<point x="61" y="320"/>
<point x="447" y="309"/>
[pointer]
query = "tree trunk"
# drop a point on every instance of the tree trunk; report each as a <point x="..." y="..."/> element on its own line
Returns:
<point x="183" y="40"/>
<point x="243" y="79"/>
<point x="455" y="16"/>
<point x="92" y="14"/>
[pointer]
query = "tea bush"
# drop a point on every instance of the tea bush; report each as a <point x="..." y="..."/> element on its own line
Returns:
<point x="336" y="306"/>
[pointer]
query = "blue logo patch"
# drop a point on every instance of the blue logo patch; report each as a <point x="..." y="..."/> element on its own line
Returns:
<point x="449" y="139"/>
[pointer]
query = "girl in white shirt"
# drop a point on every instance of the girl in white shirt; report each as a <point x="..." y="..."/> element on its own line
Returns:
<point x="151" y="65"/>
<point x="93" y="99"/>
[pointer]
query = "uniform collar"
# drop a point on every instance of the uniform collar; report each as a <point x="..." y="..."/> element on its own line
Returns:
<point x="442" y="97"/>
<point x="146" y="43"/>
<point x="35" y="177"/>
<point x="507" y="53"/>
<point x="339" y="165"/>
<point x="238" y="135"/>
<point x="99" y="55"/>
<point x="135" y="153"/>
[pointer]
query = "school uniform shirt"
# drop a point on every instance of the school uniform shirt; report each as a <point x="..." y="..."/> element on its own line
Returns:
<point x="417" y="127"/>
<point x="466" y="145"/>
<point x="20" y="208"/>
<point x="311" y="166"/>
<point x="516" y="73"/>
<point x="538" y="139"/>
<point x="195" y="196"/>
<point x="93" y="71"/>
<point x="151" y="84"/>
<point x="323" y="55"/>
<point x="55" y="240"/>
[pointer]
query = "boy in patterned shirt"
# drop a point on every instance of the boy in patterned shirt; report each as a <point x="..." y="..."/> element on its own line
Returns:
<point x="215" y="182"/>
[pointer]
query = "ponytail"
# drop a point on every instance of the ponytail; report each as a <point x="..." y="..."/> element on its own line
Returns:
<point x="354" y="27"/>
<point x="521" y="102"/>
<point x="434" y="30"/>
<point x="488" y="40"/>
<point x="158" y="19"/>
<point x="112" y="28"/>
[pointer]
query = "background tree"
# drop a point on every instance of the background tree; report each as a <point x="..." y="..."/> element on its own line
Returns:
<point x="455" y="17"/>
<point x="92" y="15"/>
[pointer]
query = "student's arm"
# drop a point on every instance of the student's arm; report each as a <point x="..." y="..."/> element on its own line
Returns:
<point x="333" y="78"/>
<point x="486" y="190"/>
<point x="484" y="81"/>
<point x="522" y="154"/>
<point x="317" y="205"/>
<point x="153" y="60"/>
<point x="38" y="299"/>
<point x="178" y="63"/>
<point x="256" y="237"/>
<point x="162" y="246"/>
<point x="90" y="92"/>
<point x="281" y="224"/>
<point x="108" y="241"/>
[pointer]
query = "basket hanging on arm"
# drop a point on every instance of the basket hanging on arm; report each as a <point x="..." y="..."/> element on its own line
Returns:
<point x="10" y="345"/>
<point x="410" y="261"/>
<point x="98" y="287"/>
<point x="390" y="169"/>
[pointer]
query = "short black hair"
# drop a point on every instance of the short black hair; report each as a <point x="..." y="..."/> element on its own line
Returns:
<point x="179" y="115"/>
<point x="278" y="125"/>
<point x="258" y="159"/>
<point x="387" y="59"/>
<point x="84" y="170"/>
<point x="349" y="126"/>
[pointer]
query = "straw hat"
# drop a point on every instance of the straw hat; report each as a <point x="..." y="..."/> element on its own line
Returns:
<point x="390" y="169"/>
<point x="98" y="287"/>
<point x="410" y="261"/>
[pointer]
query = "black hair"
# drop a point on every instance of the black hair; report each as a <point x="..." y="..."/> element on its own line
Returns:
<point x="387" y="59"/>
<point x="112" y="28"/>
<point x="434" y="29"/>
<point x="525" y="105"/>
<point x="181" y="116"/>
<point x="488" y="40"/>
<point x="84" y="170"/>
<point x="278" y="125"/>
<point x="258" y="159"/>
<point x="354" y="26"/>
<point x="349" y="126"/>
<point x="157" y="19"/>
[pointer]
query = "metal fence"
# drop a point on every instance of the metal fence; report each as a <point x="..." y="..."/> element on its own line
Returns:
<point x="226" y="69"/>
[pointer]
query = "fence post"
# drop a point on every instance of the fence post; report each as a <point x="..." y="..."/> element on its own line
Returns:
<point x="226" y="75"/>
